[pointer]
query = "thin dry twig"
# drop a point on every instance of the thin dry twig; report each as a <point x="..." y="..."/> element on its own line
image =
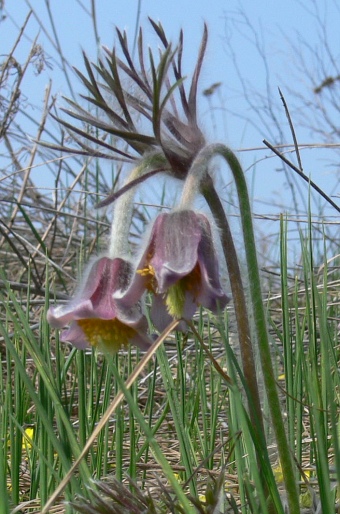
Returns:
<point x="302" y="175"/>
<point x="107" y="415"/>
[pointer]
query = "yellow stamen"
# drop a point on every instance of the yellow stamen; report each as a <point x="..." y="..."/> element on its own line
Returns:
<point x="149" y="272"/>
<point x="110" y="335"/>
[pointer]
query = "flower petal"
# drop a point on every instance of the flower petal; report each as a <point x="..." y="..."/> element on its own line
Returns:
<point x="94" y="314"/>
<point x="160" y="316"/>
<point x="176" y="238"/>
<point x="179" y="265"/>
<point x="211" y="295"/>
<point x="74" y="335"/>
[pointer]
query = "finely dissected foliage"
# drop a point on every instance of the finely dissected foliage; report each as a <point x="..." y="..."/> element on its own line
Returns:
<point x="121" y="113"/>
<point x="194" y="424"/>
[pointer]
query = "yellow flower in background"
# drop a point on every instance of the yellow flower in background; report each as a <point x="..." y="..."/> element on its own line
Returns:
<point x="278" y="473"/>
<point x="306" y="500"/>
<point x="27" y="440"/>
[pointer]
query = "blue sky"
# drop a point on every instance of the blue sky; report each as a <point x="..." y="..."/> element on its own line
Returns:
<point x="280" y="29"/>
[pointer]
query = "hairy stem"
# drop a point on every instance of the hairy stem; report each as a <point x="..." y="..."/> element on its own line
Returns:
<point x="240" y="305"/>
<point x="258" y="311"/>
<point x="122" y="217"/>
<point x="123" y="209"/>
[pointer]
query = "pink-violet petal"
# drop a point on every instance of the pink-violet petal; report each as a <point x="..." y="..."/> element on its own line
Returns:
<point x="75" y="335"/>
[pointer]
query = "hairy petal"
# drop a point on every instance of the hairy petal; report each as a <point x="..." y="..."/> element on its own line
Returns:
<point x="179" y="265"/>
<point x="176" y="237"/>
<point x="94" y="315"/>
<point x="160" y="316"/>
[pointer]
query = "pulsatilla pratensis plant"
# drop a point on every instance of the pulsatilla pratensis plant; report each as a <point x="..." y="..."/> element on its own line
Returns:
<point x="179" y="264"/>
<point x="153" y="125"/>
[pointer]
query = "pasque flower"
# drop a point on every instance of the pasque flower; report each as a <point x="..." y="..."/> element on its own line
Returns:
<point x="93" y="314"/>
<point x="179" y="265"/>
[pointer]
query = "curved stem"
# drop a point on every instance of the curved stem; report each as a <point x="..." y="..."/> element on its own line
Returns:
<point x="121" y="221"/>
<point x="123" y="209"/>
<point x="199" y="180"/>
<point x="259" y="315"/>
<point x="229" y="250"/>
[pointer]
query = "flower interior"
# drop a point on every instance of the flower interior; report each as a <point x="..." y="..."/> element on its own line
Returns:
<point x="108" y="334"/>
<point x="177" y="293"/>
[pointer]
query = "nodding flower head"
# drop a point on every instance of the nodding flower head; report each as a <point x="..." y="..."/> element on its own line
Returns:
<point x="180" y="266"/>
<point x="93" y="315"/>
<point x="151" y="112"/>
